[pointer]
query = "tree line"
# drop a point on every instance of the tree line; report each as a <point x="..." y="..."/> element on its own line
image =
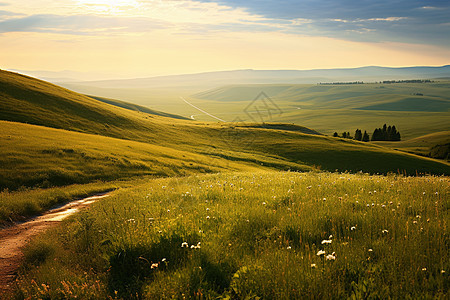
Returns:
<point x="385" y="133"/>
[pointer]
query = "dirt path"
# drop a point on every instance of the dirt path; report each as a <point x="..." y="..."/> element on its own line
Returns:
<point x="14" y="238"/>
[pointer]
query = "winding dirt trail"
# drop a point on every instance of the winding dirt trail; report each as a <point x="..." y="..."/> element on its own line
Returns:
<point x="14" y="238"/>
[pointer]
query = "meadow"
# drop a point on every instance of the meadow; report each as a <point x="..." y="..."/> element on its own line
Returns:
<point x="253" y="235"/>
<point x="75" y="139"/>
<point x="415" y="108"/>
<point x="207" y="210"/>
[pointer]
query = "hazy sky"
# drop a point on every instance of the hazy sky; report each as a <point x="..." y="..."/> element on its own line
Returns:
<point x="134" y="38"/>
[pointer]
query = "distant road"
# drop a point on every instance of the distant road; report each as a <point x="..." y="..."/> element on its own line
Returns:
<point x="199" y="109"/>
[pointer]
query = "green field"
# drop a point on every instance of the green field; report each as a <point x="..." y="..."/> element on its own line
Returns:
<point x="432" y="145"/>
<point x="259" y="197"/>
<point x="252" y="236"/>
<point x="415" y="108"/>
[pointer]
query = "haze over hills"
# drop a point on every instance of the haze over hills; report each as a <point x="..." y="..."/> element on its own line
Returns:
<point x="215" y="79"/>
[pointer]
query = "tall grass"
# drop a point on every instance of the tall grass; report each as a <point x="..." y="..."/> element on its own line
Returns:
<point x="253" y="235"/>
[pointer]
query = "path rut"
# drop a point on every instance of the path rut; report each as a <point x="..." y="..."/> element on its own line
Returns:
<point x="14" y="238"/>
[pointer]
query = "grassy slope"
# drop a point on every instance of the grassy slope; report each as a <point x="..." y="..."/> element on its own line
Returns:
<point x="29" y="100"/>
<point x="135" y="143"/>
<point x="259" y="236"/>
<point x="423" y="145"/>
<point x="324" y="108"/>
<point x="329" y="108"/>
<point x="136" y="107"/>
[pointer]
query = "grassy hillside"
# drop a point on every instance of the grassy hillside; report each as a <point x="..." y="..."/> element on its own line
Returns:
<point x="415" y="108"/>
<point x="264" y="235"/>
<point x="32" y="101"/>
<point x="96" y="141"/>
<point x="135" y="107"/>
<point x="436" y="145"/>
<point x="152" y="144"/>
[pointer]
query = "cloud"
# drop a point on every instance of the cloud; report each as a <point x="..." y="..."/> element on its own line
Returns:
<point x="416" y="21"/>
<point x="80" y="24"/>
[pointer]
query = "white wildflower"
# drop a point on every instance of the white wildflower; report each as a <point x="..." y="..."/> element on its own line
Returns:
<point x="353" y="228"/>
<point x="385" y="231"/>
<point x="154" y="265"/>
<point x="313" y="266"/>
<point x="184" y="244"/>
<point x="320" y="252"/>
<point x="326" y="242"/>
<point x="330" y="257"/>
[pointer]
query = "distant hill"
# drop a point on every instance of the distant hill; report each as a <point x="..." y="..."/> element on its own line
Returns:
<point x="215" y="79"/>
<point x="433" y="97"/>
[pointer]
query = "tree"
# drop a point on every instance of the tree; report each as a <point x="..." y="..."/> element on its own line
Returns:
<point x="358" y="135"/>
<point x="365" y="137"/>
<point x="376" y="135"/>
<point x="344" y="135"/>
<point x="335" y="134"/>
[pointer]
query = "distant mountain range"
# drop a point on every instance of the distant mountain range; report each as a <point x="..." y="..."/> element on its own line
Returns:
<point x="214" y="79"/>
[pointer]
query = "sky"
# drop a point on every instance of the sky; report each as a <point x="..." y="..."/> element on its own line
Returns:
<point x="139" y="38"/>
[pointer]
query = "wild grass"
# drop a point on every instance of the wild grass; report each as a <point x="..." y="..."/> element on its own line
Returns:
<point x="26" y="202"/>
<point x="252" y="236"/>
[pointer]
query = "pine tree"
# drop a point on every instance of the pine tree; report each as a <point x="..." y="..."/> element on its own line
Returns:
<point x="376" y="134"/>
<point x="384" y="133"/>
<point x="358" y="135"/>
<point x="365" y="137"/>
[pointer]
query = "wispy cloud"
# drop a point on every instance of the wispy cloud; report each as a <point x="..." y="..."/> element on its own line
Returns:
<point x="416" y="21"/>
<point x="79" y="24"/>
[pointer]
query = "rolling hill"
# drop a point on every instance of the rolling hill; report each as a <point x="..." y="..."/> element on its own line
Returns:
<point x="436" y="145"/>
<point x="415" y="108"/>
<point x="214" y="79"/>
<point x="72" y="138"/>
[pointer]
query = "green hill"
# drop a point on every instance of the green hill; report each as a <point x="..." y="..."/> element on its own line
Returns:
<point x="95" y="140"/>
<point x="135" y="107"/>
<point x="436" y="145"/>
<point x="415" y="108"/>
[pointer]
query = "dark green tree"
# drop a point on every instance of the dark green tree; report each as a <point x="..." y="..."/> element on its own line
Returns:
<point x="358" y="135"/>
<point x="376" y="136"/>
<point x="365" y="137"/>
<point x="335" y="134"/>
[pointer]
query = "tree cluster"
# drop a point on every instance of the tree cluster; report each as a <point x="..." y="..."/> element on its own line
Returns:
<point x="387" y="133"/>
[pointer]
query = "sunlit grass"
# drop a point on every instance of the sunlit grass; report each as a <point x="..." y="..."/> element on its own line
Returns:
<point x="254" y="235"/>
